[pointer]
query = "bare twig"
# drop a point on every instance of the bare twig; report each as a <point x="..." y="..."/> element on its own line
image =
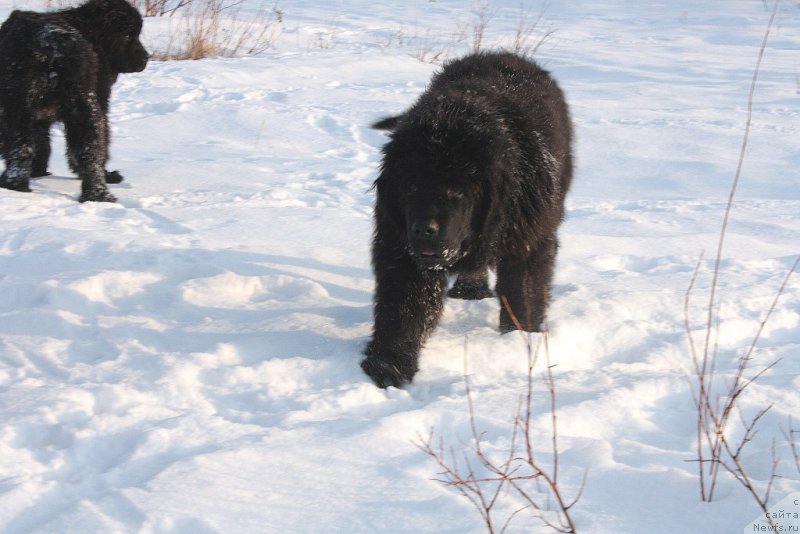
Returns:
<point x="791" y="438"/>
<point x="738" y="386"/>
<point x="519" y="470"/>
<point x="700" y="373"/>
<point x="742" y="151"/>
<point x="740" y="474"/>
<point x="715" y="449"/>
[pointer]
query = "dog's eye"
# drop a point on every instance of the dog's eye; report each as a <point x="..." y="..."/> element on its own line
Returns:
<point x="453" y="194"/>
<point x="412" y="188"/>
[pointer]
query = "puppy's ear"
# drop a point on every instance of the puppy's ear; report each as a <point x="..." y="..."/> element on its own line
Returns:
<point x="387" y="205"/>
<point x="389" y="123"/>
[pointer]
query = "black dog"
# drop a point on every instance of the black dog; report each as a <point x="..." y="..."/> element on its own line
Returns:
<point x="60" y="66"/>
<point x="473" y="177"/>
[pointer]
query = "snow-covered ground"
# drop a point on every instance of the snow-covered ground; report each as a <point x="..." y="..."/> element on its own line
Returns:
<point x="186" y="360"/>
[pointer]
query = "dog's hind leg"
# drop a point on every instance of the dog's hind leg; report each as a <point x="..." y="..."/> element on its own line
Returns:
<point x="17" y="150"/>
<point x="523" y="287"/>
<point x="87" y="132"/>
<point x="41" y="148"/>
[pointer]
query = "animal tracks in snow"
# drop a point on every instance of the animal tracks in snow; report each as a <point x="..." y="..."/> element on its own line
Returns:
<point x="232" y="291"/>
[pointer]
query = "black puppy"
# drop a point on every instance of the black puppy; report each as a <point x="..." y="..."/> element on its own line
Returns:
<point x="60" y="66"/>
<point x="474" y="177"/>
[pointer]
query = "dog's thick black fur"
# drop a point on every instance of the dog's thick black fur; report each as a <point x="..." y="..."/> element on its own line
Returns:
<point x="60" y="66"/>
<point x="473" y="177"/>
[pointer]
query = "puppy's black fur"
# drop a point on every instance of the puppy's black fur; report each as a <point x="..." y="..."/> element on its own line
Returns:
<point x="60" y="66"/>
<point x="473" y="177"/>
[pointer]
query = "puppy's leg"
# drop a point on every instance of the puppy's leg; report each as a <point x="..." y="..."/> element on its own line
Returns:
<point x="523" y="287"/>
<point x="87" y="135"/>
<point x="41" y="148"/>
<point x="17" y="142"/>
<point x="408" y="305"/>
<point x="472" y="285"/>
<point x="112" y="177"/>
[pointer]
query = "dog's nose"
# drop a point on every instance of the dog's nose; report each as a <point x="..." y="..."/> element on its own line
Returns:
<point x="425" y="228"/>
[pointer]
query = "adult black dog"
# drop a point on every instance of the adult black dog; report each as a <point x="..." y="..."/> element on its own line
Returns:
<point x="60" y="66"/>
<point x="473" y="177"/>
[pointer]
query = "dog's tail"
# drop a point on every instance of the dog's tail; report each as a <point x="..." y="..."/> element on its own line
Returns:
<point x="389" y="123"/>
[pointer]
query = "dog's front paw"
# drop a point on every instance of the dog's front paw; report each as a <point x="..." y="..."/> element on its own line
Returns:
<point x="385" y="374"/>
<point x="104" y="196"/>
<point x="15" y="187"/>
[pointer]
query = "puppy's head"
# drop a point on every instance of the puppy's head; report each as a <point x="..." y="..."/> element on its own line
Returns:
<point x="119" y="26"/>
<point x="432" y="189"/>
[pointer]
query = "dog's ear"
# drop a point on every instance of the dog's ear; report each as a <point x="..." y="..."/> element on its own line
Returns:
<point x="388" y="124"/>
<point x="388" y="204"/>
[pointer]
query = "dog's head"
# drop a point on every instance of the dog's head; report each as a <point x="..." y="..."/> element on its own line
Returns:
<point x="440" y="217"/>
<point x="433" y="189"/>
<point x="118" y="25"/>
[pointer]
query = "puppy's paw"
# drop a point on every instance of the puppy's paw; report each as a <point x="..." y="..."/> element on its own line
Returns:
<point x="385" y="374"/>
<point x="103" y="196"/>
<point x="17" y="184"/>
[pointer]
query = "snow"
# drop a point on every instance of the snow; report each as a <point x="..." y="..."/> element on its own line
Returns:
<point x="186" y="360"/>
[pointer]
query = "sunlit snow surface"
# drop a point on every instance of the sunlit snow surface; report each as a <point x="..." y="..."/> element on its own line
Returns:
<point x="186" y="360"/>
